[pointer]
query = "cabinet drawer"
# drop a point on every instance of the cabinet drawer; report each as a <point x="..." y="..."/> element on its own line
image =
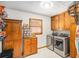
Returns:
<point x="33" y="50"/>
<point x="27" y="41"/>
<point x="27" y="50"/>
<point x="33" y="41"/>
<point x="33" y="45"/>
<point x="27" y="47"/>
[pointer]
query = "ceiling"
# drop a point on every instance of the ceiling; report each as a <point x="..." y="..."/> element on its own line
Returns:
<point x="34" y="7"/>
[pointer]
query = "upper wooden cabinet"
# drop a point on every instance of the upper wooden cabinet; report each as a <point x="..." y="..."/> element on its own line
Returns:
<point x="62" y="21"/>
<point x="57" y="22"/>
<point x="67" y="21"/>
<point x="54" y="23"/>
<point x="72" y="20"/>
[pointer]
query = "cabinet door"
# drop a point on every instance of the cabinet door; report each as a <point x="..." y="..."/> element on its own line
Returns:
<point x="7" y="41"/>
<point x="61" y="21"/>
<point x="8" y="30"/>
<point x="17" y="30"/>
<point x="67" y="21"/>
<point x="56" y="22"/>
<point x="27" y="47"/>
<point x="33" y="45"/>
<point x="52" y="23"/>
<point x="17" y="49"/>
<point x="72" y="19"/>
<point x="17" y="38"/>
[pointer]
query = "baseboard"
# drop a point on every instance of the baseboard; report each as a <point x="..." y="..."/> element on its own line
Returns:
<point x="42" y="47"/>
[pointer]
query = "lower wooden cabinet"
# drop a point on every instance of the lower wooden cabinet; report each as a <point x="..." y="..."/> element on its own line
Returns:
<point x="61" y="21"/>
<point x="30" y="46"/>
<point x="67" y="21"/>
<point x="33" y="46"/>
<point x="27" y="47"/>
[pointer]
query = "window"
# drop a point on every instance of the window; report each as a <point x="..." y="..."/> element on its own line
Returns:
<point x="35" y="26"/>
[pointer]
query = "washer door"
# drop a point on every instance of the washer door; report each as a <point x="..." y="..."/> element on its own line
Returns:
<point x="58" y="43"/>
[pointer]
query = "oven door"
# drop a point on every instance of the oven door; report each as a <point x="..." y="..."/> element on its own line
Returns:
<point x="58" y="44"/>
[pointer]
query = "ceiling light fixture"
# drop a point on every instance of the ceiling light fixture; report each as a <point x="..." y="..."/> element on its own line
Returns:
<point x="46" y="4"/>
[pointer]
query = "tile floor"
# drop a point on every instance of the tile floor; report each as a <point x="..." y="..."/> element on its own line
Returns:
<point x="44" y="53"/>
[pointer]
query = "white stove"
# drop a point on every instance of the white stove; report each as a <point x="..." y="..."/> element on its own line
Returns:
<point x="61" y="44"/>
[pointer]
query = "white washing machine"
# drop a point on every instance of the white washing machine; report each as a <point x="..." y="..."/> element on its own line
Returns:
<point x="50" y="42"/>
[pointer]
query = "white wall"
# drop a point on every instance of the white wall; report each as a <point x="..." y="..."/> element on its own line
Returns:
<point x="20" y="15"/>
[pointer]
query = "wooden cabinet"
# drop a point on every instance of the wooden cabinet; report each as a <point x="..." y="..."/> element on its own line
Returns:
<point x="27" y="47"/>
<point x="14" y="36"/>
<point x="33" y="45"/>
<point x="72" y="19"/>
<point x="57" y="22"/>
<point x="67" y="21"/>
<point x="54" y="23"/>
<point x="61" y="21"/>
<point x="73" y="51"/>
<point x="30" y="46"/>
<point x="8" y="42"/>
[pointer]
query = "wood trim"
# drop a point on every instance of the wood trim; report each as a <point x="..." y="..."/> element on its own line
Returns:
<point x="51" y="24"/>
<point x="29" y="55"/>
<point x="55" y="15"/>
<point x="42" y="47"/>
<point x="64" y="21"/>
<point x="14" y="20"/>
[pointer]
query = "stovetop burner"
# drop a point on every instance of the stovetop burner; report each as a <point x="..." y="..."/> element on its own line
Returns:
<point x="60" y="34"/>
<point x="63" y="35"/>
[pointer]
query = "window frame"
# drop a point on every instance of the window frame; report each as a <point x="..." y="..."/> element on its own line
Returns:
<point x="36" y="26"/>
